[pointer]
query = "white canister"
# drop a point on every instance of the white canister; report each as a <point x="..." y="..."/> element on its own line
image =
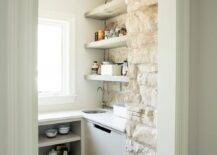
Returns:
<point x="111" y="69"/>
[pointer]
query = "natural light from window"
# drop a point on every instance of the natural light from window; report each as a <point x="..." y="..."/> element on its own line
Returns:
<point x="52" y="58"/>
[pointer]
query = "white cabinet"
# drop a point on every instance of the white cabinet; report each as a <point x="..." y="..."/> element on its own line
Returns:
<point x="100" y="140"/>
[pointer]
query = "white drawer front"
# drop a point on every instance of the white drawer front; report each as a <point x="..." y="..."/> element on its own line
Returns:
<point x="102" y="141"/>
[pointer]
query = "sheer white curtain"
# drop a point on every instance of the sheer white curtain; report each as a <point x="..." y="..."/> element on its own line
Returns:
<point x="18" y="89"/>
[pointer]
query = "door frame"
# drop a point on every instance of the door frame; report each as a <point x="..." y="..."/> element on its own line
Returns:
<point x="173" y="99"/>
<point x="19" y="104"/>
<point x="183" y="77"/>
<point x="173" y="25"/>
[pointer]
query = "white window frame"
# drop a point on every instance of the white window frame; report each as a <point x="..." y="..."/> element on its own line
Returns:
<point x="69" y="96"/>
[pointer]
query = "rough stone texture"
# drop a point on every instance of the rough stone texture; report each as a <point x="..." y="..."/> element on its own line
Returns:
<point x="136" y="4"/>
<point x="113" y="95"/>
<point x="142" y="114"/>
<point x="134" y="41"/>
<point x="136" y="148"/>
<point x="143" y="55"/>
<point x="119" y="20"/>
<point x="144" y="135"/>
<point x="142" y="20"/>
<point x="118" y="55"/>
<point x="141" y="24"/>
<point x="141" y="92"/>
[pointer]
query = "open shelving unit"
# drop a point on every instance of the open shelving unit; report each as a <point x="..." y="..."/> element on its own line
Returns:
<point x="108" y="78"/>
<point x="108" y="43"/>
<point x="103" y="12"/>
<point x="73" y="140"/>
<point x="108" y="10"/>
<point x="59" y="139"/>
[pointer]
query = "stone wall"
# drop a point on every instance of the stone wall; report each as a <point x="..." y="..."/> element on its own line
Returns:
<point x="141" y="92"/>
<point x="142" y="29"/>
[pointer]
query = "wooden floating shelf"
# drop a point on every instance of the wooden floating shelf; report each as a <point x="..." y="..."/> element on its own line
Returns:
<point x="108" y="10"/>
<point x="107" y="78"/>
<point x="108" y="43"/>
<point x="59" y="139"/>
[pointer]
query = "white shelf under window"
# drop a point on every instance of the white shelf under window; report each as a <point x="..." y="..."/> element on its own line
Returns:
<point x="108" y="78"/>
<point x="108" y="43"/>
<point x="108" y="10"/>
<point x="59" y="139"/>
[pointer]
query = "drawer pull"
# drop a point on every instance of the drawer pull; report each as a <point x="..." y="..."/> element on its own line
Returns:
<point x="102" y="128"/>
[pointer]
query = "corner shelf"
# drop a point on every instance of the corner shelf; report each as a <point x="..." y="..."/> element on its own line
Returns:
<point x="108" y="43"/>
<point x="59" y="139"/>
<point x="108" y="10"/>
<point x="108" y="78"/>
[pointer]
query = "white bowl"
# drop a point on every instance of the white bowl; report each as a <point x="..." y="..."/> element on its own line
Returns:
<point x="51" y="133"/>
<point x="64" y="129"/>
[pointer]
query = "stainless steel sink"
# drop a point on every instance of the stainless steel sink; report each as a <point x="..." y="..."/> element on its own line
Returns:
<point x="94" y="111"/>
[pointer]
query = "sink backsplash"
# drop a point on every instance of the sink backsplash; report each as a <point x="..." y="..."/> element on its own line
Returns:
<point x="114" y="92"/>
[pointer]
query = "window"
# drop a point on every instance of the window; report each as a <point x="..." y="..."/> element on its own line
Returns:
<point x="54" y="79"/>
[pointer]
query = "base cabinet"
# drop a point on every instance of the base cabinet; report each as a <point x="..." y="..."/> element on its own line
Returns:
<point x="72" y="141"/>
<point x="100" y="140"/>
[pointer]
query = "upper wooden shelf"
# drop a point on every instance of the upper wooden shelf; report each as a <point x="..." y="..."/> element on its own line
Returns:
<point x="108" y="43"/>
<point x="108" y="10"/>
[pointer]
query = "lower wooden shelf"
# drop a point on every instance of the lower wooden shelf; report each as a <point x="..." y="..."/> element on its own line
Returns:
<point x="59" y="139"/>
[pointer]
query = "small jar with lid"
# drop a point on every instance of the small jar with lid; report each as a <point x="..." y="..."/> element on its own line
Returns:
<point x="96" y="36"/>
<point x="101" y="34"/>
<point x="95" y="68"/>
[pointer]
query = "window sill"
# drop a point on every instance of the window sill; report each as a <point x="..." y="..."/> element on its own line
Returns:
<point x="56" y="100"/>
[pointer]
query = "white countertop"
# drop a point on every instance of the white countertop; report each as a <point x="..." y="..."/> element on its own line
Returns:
<point x="50" y="118"/>
<point x="107" y="119"/>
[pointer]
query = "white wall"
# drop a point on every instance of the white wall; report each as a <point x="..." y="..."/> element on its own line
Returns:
<point x="85" y="29"/>
<point x="207" y="74"/>
<point x="194" y="77"/>
<point x="203" y="109"/>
